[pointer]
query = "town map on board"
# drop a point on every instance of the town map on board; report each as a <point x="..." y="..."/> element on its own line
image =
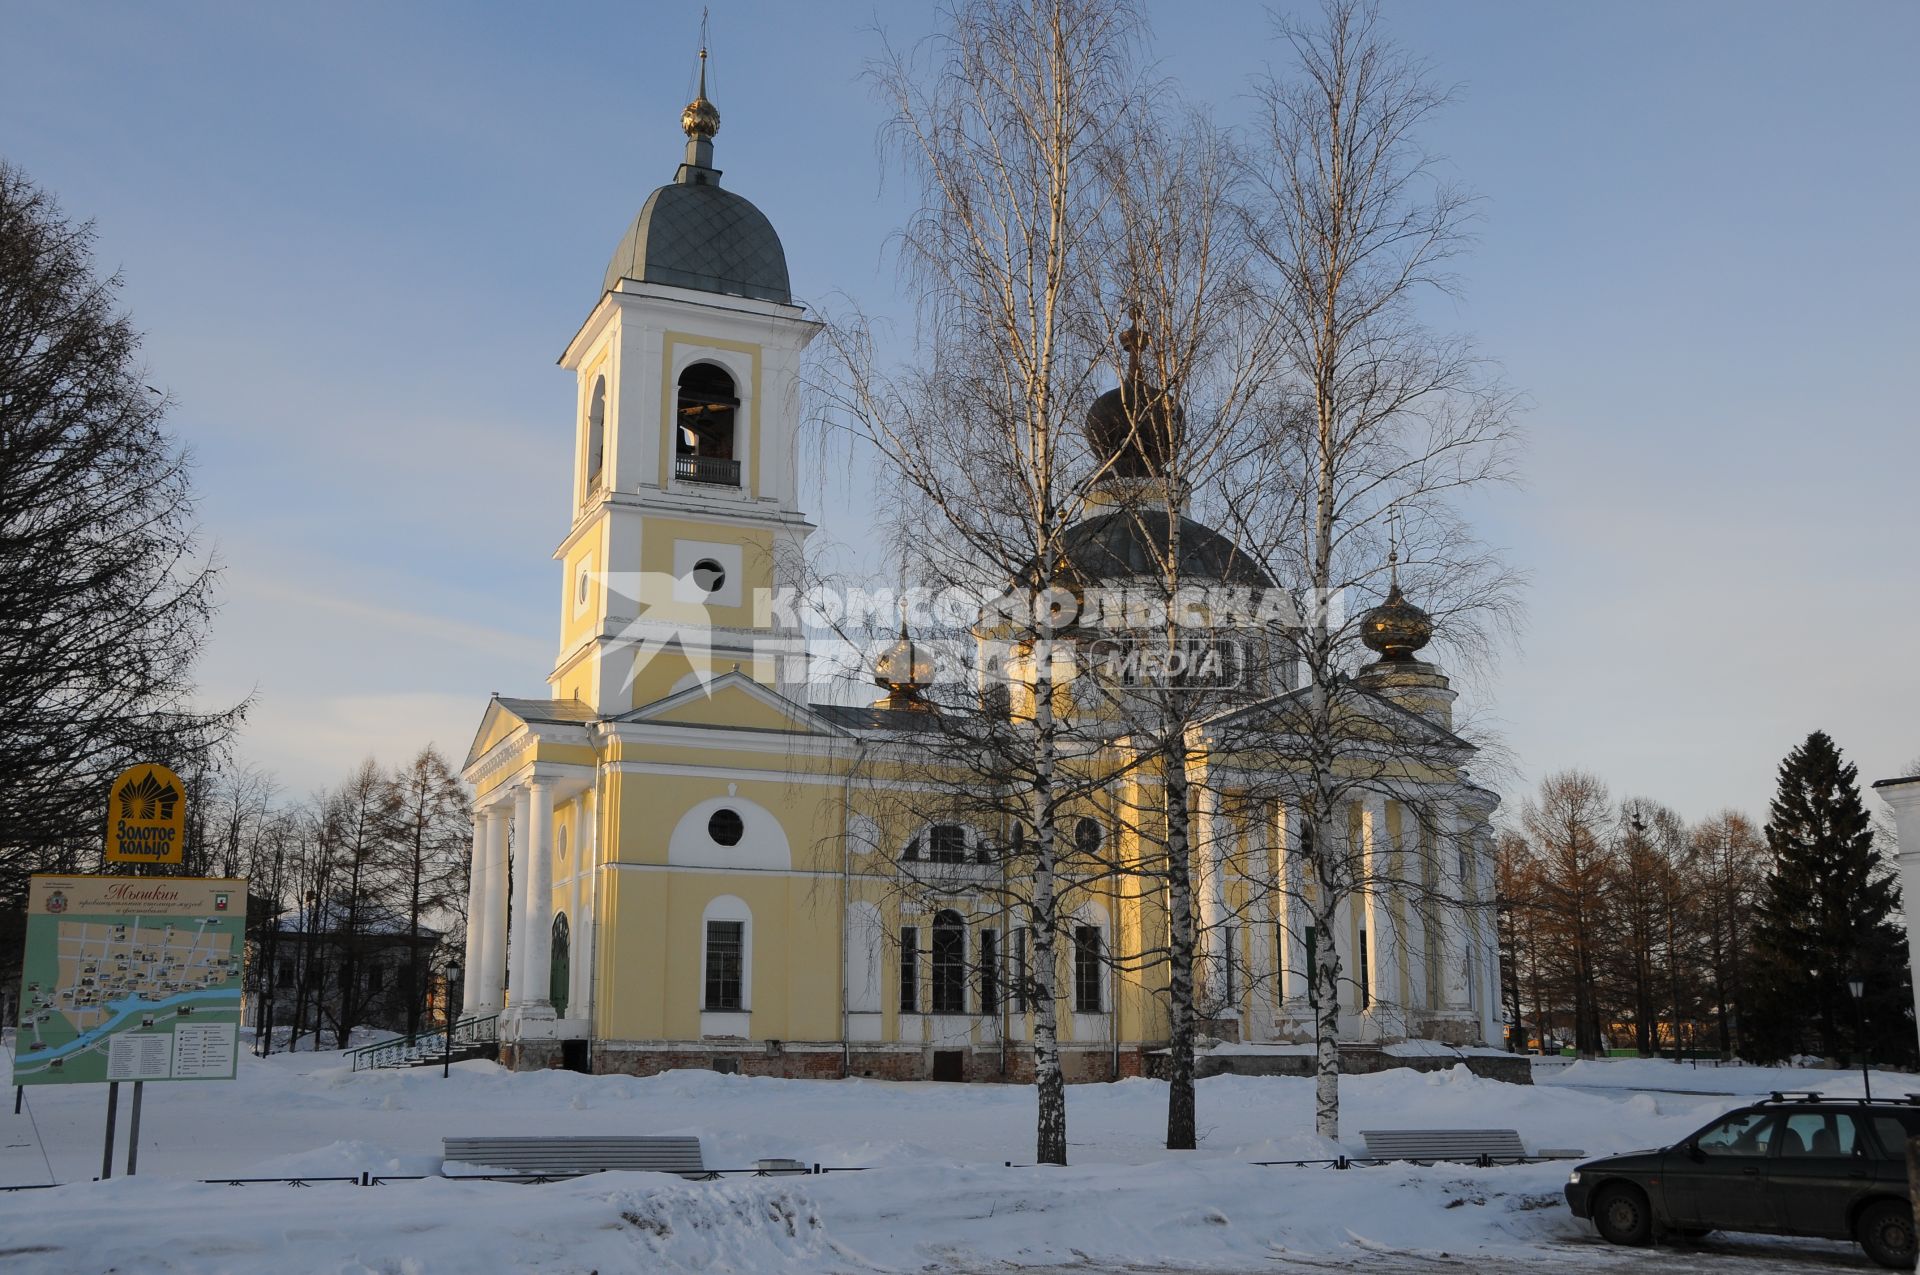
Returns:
<point x="130" y="978"/>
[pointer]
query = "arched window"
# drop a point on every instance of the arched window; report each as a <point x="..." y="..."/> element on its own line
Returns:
<point x="558" y="979"/>
<point x="703" y="428"/>
<point x="726" y="961"/>
<point x="1086" y="970"/>
<point x="949" y="963"/>
<point x="939" y="843"/>
<point x="1090" y="954"/>
<point x="596" y="432"/>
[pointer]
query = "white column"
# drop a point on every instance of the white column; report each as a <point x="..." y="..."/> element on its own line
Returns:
<point x="492" y="917"/>
<point x="1454" y="917"/>
<point x="1904" y="796"/>
<point x="1291" y="912"/>
<point x="1485" y="928"/>
<point x="476" y="909"/>
<point x="586" y="862"/>
<point x="517" y="944"/>
<point x="1263" y="985"/>
<point x="538" y="962"/>
<point x="1414" y="866"/>
<point x="1213" y="889"/>
<point x="1346" y="872"/>
<point x="1383" y="965"/>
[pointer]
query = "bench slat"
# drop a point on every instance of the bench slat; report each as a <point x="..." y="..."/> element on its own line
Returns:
<point x="579" y="1153"/>
<point x="1442" y="1144"/>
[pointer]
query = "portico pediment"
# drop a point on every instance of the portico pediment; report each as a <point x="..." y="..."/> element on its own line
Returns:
<point x="734" y="701"/>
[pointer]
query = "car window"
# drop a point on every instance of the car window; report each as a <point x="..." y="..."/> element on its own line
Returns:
<point x="1819" y="1133"/>
<point x="1749" y="1133"/>
<point x="1892" y="1136"/>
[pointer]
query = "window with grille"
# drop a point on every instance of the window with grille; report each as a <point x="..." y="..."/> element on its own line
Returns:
<point x="909" y="969"/>
<point x="947" y="843"/>
<point x="1229" y="981"/>
<point x="1086" y="969"/>
<point x="989" y="972"/>
<point x="1313" y="966"/>
<point x="1366" y="984"/>
<point x="949" y="964"/>
<point x="726" y="950"/>
<point x="1020" y="970"/>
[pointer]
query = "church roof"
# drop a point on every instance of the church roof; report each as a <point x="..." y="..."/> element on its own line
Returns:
<point x="699" y="236"/>
<point x="1130" y="542"/>
<point x="568" y="711"/>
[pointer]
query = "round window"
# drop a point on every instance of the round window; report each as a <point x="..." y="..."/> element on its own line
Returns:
<point x="726" y="827"/>
<point x="1086" y="836"/>
<point x="709" y="575"/>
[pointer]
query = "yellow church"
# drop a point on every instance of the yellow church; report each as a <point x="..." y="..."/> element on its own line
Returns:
<point x="678" y="861"/>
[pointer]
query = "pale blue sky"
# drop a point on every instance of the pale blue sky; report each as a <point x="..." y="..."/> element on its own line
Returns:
<point x="358" y="235"/>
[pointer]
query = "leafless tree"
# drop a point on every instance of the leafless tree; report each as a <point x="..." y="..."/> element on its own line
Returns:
<point x="1732" y="859"/>
<point x="1569" y="828"/>
<point x="1163" y="439"/>
<point x="424" y="860"/>
<point x="105" y="590"/>
<point x="1375" y="430"/>
<point x="1000" y="120"/>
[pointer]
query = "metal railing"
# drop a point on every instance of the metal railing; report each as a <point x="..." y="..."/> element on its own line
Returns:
<point x="426" y="1046"/>
<point x="527" y="1179"/>
<point x="711" y="470"/>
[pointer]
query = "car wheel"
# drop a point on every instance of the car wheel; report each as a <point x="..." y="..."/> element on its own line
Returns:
<point x="1885" y="1230"/>
<point x="1622" y="1216"/>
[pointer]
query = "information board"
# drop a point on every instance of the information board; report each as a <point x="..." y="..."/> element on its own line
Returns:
<point x="131" y="978"/>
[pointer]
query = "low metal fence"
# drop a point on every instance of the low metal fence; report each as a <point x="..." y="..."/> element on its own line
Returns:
<point x="528" y="1179"/>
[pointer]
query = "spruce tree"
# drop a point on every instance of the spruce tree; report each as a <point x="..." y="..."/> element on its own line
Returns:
<point x="1830" y="909"/>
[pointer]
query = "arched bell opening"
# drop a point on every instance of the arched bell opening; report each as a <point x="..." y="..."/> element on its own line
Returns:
<point x="705" y="415"/>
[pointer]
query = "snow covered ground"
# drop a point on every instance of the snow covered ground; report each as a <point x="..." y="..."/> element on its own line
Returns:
<point x="937" y="1194"/>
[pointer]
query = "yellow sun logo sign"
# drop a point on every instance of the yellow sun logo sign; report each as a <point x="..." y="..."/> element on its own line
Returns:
<point x="147" y="816"/>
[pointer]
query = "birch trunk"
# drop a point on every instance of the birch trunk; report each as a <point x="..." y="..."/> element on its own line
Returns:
<point x="1180" y="947"/>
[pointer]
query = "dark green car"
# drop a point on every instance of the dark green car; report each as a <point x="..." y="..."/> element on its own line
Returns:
<point x="1792" y="1165"/>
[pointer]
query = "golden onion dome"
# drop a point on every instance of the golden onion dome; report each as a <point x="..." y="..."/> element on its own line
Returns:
<point x="906" y="670"/>
<point x="1396" y="628"/>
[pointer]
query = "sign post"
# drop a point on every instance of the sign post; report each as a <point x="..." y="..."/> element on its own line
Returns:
<point x="113" y="1105"/>
<point x="133" y="1128"/>
<point x="146" y="816"/>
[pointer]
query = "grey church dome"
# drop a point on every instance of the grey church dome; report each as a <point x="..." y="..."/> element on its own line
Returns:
<point x="1131" y="542"/>
<point x="693" y="234"/>
<point x="696" y="235"/>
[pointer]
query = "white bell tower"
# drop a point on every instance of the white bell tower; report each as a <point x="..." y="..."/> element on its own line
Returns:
<point x="685" y="516"/>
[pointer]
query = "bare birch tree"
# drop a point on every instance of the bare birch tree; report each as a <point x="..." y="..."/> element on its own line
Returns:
<point x="1163" y="439"/>
<point x="1002" y="133"/>
<point x="1378" y="428"/>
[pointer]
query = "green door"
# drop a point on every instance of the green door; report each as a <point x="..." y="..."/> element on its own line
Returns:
<point x="559" y="977"/>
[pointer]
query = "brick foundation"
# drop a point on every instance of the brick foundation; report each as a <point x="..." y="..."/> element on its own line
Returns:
<point x="1361" y="1061"/>
<point x="824" y="1061"/>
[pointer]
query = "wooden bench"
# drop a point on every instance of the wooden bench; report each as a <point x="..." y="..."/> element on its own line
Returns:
<point x="1425" y="1146"/>
<point x="591" y="1154"/>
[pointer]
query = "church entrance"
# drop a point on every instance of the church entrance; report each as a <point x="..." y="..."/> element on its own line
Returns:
<point x="560" y="977"/>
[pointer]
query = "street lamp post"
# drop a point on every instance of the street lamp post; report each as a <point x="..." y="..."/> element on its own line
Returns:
<point x="453" y="979"/>
<point x="1857" y="988"/>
